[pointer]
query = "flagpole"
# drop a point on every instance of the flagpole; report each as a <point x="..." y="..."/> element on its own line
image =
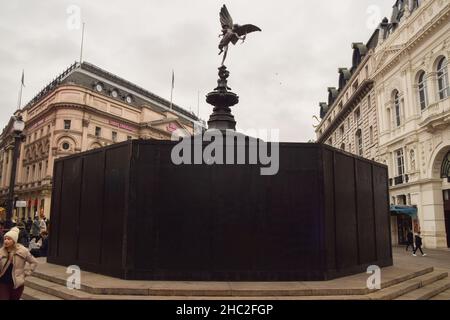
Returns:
<point x="82" y="43"/>
<point x="22" y="84"/>
<point x="198" y="103"/>
<point x="171" y="91"/>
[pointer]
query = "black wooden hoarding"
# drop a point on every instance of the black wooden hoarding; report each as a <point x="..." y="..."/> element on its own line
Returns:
<point x="127" y="211"/>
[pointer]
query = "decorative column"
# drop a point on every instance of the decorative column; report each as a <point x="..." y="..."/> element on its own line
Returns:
<point x="431" y="215"/>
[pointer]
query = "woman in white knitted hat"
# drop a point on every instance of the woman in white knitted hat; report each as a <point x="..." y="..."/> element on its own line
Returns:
<point x="13" y="258"/>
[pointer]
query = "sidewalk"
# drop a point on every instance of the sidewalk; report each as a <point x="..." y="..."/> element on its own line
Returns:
<point x="437" y="258"/>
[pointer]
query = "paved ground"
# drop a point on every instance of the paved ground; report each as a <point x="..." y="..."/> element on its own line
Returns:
<point x="434" y="258"/>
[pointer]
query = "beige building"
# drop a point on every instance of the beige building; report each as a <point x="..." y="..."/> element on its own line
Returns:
<point x="406" y="123"/>
<point x="349" y="119"/>
<point x="412" y="93"/>
<point x="82" y="109"/>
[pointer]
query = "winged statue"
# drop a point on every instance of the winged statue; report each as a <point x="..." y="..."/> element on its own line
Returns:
<point x="232" y="32"/>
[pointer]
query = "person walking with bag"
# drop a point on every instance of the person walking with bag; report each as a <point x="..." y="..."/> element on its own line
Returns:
<point x="410" y="239"/>
<point x="13" y="259"/>
<point x="418" y="245"/>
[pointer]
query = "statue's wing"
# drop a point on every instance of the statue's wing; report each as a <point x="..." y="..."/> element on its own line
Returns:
<point x="225" y="19"/>
<point x="246" y="29"/>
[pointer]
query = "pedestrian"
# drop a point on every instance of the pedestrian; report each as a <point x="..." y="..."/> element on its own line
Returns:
<point x="410" y="239"/>
<point x="418" y="241"/>
<point x="35" y="228"/>
<point x="24" y="237"/>
<point x="42" y="225"/>
<point x="28" y="224"/>
<point x="41" y="247"/>
<point x="13" y="259"/>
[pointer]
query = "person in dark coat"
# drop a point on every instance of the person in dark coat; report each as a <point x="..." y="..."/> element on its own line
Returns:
<point x="410" y="240"/>
<point x="418" y="241"/>
<point x="28" y="224"/>
<point x="43" y="248"/>
<point x="24" y="237"/>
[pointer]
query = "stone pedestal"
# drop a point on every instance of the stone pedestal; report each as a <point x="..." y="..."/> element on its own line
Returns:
<point x="222" y="98"/>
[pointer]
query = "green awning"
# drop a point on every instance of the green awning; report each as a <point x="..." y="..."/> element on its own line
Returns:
<point x="408" y="210"/>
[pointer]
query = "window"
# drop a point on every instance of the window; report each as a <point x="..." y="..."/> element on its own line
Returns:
<point x="442" y="74"/>
<point x="67" y="124"/>
<point x="397" y="108"/>
<point x="48" y="129"/>
<point x="367" y="71"/>
<point x="40" y="171"/>
<point x="66" y="146"/>
<point x="348" y="122"/>
<point x="400" y="162"/>
<point x="33" y="173"/>
<point x="28" y="173"/>
<point x="369" y="102"/>
<point x="343" y="147"/>
<point x="114" y="136"/>
<point x="98" y="131"/>
<point x="99" y="87"/>
<point x="330" y="142"/>
<point x="359" y="143"/>
<point x="355" y="85"/>
<point x="357" y="116"/>
<point x="42" y="132"/>
<point x="35" y="136"/>
<point x="342" y="131"/>
<point x="371" y="135"/>
<point x="422" y="84"/>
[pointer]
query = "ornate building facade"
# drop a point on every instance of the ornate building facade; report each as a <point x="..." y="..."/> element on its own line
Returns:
<point x="412" y="87"/>
<point x="406" y="123"/>
<point x="82" y="109"/>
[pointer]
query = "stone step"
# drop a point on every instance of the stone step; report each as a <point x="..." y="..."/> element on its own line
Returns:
<point x="204" y="289"/>
<point x="44" y="290"/>
<point x="55" y="290"/>
<point x="442" y="296"/>
<point x="428" y="291"/>
<point x="408" y="286"/>
<point x="32" y="294"/>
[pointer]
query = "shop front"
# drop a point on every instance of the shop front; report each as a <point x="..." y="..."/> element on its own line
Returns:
<point x="403" y="219"/>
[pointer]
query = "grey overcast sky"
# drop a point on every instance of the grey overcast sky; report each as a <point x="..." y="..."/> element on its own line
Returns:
<point x="280" y="74"/>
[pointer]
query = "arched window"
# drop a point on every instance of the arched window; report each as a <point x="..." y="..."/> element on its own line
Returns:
<point x="445" y="168"/>
<point x="442" y="77"/>
<point x="388" y="118"/>
<point x="397" y="108"/>
<point x="423" y="95"/>
<point x="359" y="142"/>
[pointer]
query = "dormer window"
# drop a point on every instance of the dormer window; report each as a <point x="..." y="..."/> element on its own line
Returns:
<point x="115" y="94"/>
<point x="99" y="87"/>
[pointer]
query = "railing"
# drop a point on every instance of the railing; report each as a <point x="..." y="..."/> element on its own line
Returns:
<point x="438" y="108"/>
<point x="398" y="180"/>
<point x="404" y="178"/>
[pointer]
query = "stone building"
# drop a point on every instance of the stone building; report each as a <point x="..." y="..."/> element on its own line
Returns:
<point x="412" y="92"/>
<point x="406" y="123"/>
<point x="83" y="108"/>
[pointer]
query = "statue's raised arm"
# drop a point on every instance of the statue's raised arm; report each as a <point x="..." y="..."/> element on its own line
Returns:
<point x="232" y="32"/>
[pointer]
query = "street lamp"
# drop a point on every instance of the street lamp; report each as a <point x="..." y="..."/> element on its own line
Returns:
<point x="18" y="127"/>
